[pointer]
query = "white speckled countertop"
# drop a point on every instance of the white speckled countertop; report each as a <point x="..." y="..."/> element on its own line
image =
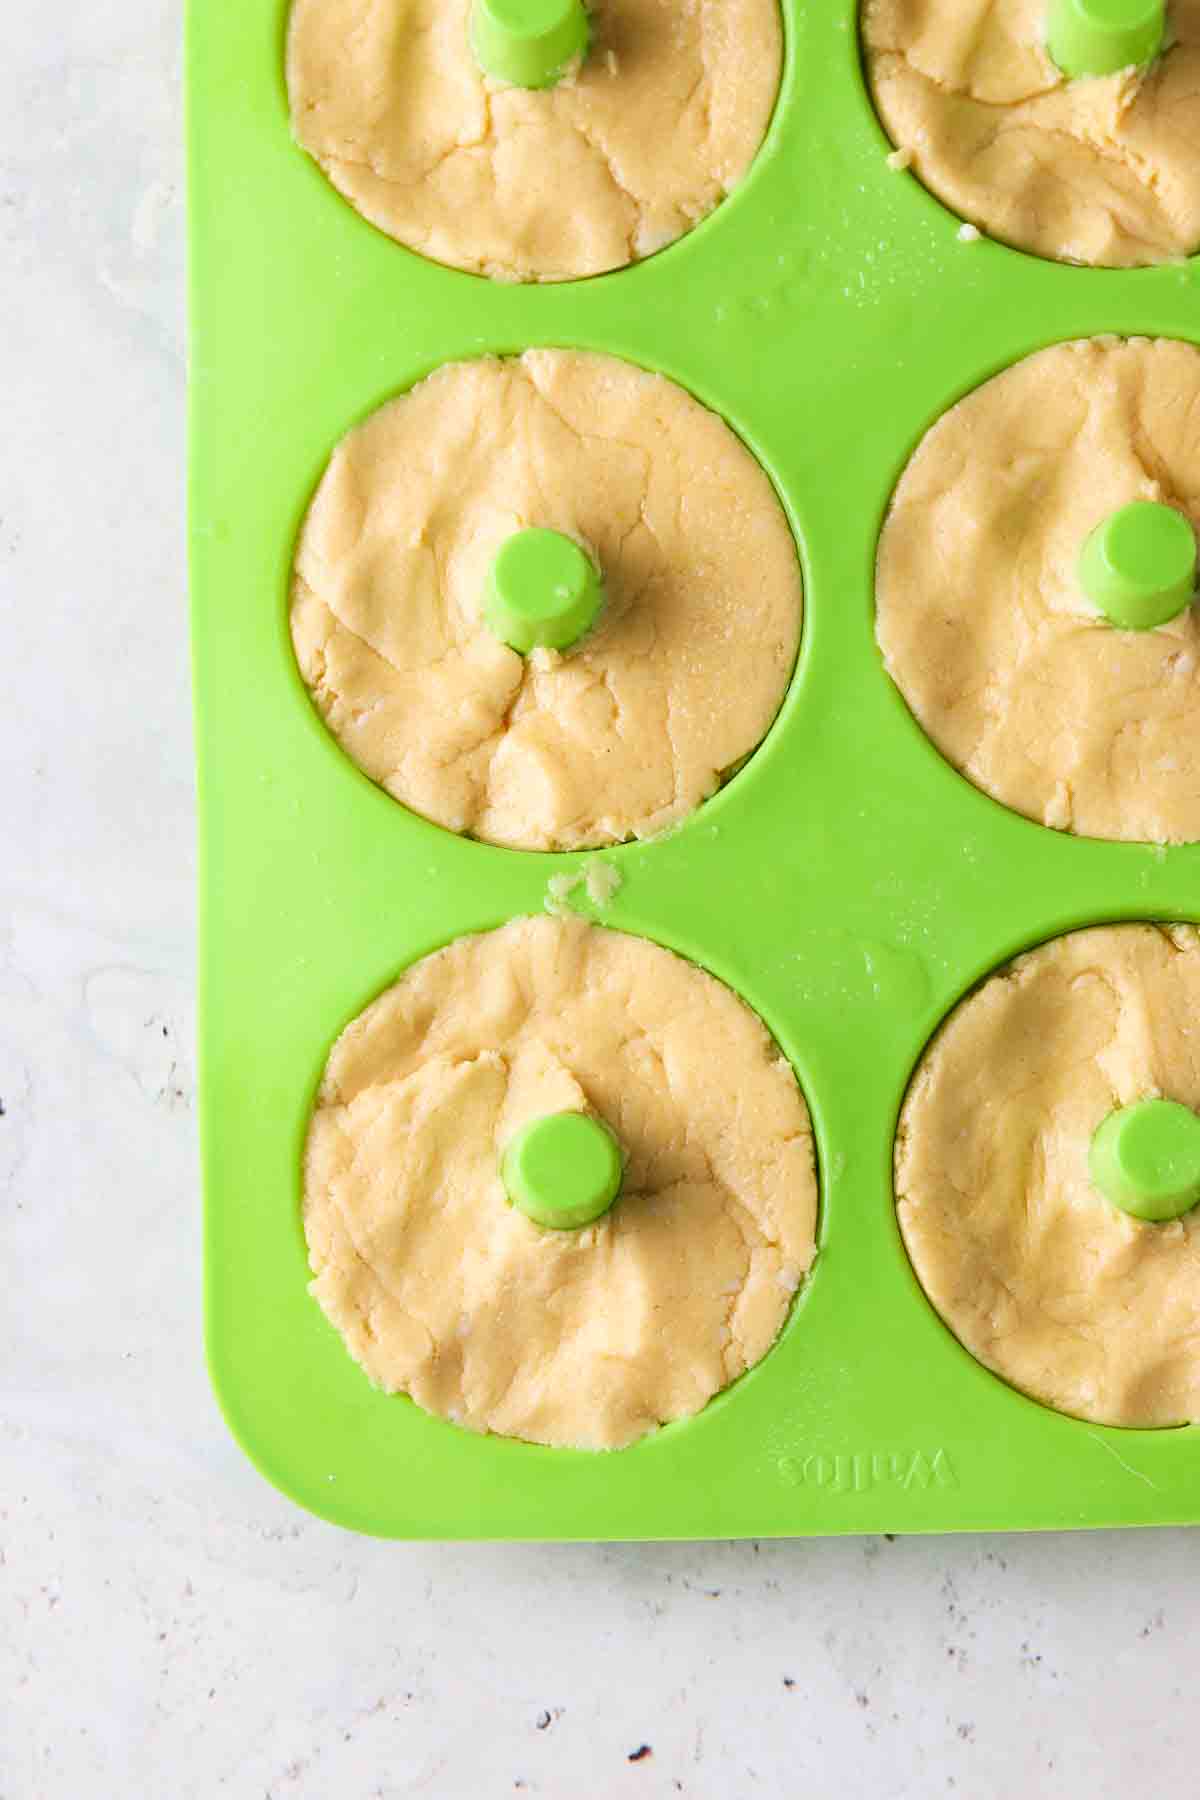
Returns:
<point x="169" y="1625"/>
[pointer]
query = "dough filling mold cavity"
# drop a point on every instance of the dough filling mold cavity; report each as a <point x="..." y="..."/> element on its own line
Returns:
<point x="1035" y="579"/>
<point x="531" y="140"/>
<point x="394" y="772"/>
<point x="1066" y="128"/>
<point x="1048" y="1169"/>
<point x="547" y="1065"/>
<point x="520" y="600"/>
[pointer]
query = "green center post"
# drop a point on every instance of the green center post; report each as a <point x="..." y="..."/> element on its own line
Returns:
<point x="528" y="43"/>
<point x="562" y="1170"/>
<point x="1145" y="1159"/>
<point x="1100" y="37"/>
<point x="542" y="591"/>
<point x="1139" y="566"/>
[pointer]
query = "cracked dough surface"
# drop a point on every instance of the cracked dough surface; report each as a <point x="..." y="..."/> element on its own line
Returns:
<point x="980" y="617"/>
<point x="619" y="159"/>
<point x="626" y="733"/>
<point x="590" y="1338"/>
<point x="1089" y="1310"/>
<point x="1097" y="171"/>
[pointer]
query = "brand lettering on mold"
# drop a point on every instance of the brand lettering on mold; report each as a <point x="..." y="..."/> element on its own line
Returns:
<point x="859" y="1471"/>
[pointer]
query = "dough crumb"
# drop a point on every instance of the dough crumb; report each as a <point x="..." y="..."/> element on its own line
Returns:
<point x="603" y="882"/>
<point x="900" y="159"/>
<point x="1058" y="808"/>
<point x="558" y="890"/>
<point x="969" y="234"/>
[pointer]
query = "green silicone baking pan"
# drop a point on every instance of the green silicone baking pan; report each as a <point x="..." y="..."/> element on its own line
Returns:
<point x="847" y="883"/>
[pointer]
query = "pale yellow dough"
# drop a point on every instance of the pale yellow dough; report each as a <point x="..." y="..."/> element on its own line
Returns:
<point x="981" y="619"/>
<point x="622" y="157"/>
<point x="1091" y="1311"/>
<point x="626" y="733"/>
<point x="1092" y="171"/>
<point x="590" y="1338"/>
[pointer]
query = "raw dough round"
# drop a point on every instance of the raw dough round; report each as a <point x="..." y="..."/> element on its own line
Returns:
<point x="588" y="1338"/>
<point x="981" y="618"/>
<point x="619" y="159"/>
<point x="621" y="736"/>
<point x="1095" y="171"/>
<point x="1087" y="1309"/>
